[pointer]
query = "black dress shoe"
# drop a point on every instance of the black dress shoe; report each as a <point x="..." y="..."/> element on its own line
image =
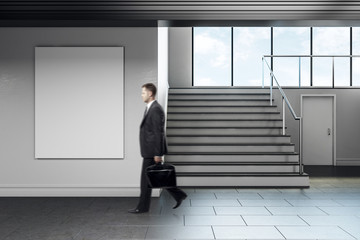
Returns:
<point x="135" y="210"/>
<point x="178" y="202"/>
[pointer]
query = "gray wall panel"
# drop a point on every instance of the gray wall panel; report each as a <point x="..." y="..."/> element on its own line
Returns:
<point x="180" y="57"/>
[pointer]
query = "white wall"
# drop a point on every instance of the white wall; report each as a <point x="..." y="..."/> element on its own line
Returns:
<point x="23" y="175"/>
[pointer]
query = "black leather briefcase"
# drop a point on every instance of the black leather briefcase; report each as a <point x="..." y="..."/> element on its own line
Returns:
<point x="161" y="175"/>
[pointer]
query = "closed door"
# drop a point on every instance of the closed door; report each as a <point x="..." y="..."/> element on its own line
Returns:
<point x="318" y="130"/>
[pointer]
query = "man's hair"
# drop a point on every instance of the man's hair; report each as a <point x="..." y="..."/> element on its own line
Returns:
<point x="150" y="87"/>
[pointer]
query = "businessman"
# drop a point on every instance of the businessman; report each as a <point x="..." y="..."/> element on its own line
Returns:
<point x="153" y="147"/>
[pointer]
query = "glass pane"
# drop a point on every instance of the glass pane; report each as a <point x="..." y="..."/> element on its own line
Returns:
<point x="292" y="41"/>
<point x="250" y="44"/>
<point x="331" y="41"/>
<point x="356" y="51"/>
<point x="212" y="56"/>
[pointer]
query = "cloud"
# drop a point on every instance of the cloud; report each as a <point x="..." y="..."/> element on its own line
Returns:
<point x="331" y="41"/>
<point x="206" y="82"/>
<point x="212" y="48"/>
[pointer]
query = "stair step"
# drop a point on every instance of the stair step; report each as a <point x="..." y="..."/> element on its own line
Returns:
<point x="242" y="180"/>
<point x="223" y="115"/>
<point x="224" y="123"/>
<point x="215" y="96"/>
<point x="230" y="147"/>
<point x="240" y="157"/>
<point x="224" y="130"/>
<point x="223" y="108"/>
<point x="173" y="139"/>
<point x="212" y="102"/>
<point x="227" y="167"/>
<point x="219" y="90"/>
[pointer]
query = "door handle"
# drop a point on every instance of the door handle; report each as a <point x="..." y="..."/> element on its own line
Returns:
<point x="329" y="131"/>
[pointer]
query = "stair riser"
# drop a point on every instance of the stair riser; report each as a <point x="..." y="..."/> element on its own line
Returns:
<point x="219" y="90"/>
<point x="228" y="139"/>
<point x="222" y="109"/>
<point x="217" y="149"/>
<point x="224" y="123"/>
<point x="244" y="181"/>
<point x="219" y="96"/>
<point x="217" y="103"/>
<point x="223" y="131"/>
<point x="238" y="169"/>
<point x="233" y="158"/>
<point x="224" y="116"/>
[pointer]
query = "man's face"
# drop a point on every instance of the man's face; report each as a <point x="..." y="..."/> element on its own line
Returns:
<point x="146" y="95"/>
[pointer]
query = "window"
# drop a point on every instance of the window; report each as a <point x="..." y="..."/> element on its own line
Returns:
<point x="331" y="41"/>
<point x="291" y="41"/>
<point x="212" y="56"/>
<point x="250" y="44"/>
<point x="231" y="56"/>
<point x="356" y="61"/>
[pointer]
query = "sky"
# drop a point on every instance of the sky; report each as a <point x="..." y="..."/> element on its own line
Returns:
<point x="212" y="55"/>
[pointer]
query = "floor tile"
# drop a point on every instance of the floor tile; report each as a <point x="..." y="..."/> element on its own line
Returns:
<point x="255" y="203"/>
<point x="334" y="195"/>
<point x="201" y="195"/>
<point x="217" y="202"/>
<point x="213" y="220"/>
<point x="246" y="232"/>
<point x="313" y="202"/>
<point x="283" y="195"/>
<point x="300" y="190"/>
<point x="295" y="211"/>
<point x="189" y="211"/>
<point x="274" y="221"/>
<point x="348" y="203"/>
<point x="257" y="190"/>
<point x="216" y="190"/>
<point x="352" y="229"/>
<point x="314" y="232"/>
<point x="244" y="196"/>
<point x="140" y="219"/>
<point x="242" y="211"/>
<point x="187" y="232"/>
<point x="341" y="210"/>
<point x="331" y="220"/>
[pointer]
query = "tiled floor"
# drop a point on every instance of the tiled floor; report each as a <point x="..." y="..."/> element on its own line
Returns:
<point x="329" y="209"/>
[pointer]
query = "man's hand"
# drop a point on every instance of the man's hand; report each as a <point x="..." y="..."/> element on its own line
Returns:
<point x="157" y="159"/>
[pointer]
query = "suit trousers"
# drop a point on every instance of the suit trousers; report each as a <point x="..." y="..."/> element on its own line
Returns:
<point x="145" y="195"/>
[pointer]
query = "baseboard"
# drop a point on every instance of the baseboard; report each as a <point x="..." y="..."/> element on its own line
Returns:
<point x="58" y="191"/>
<point x="348" y="161"/>
<point x="332" y="171"/>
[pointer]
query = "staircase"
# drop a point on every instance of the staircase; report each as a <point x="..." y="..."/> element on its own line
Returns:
<point x="229" y="137"/>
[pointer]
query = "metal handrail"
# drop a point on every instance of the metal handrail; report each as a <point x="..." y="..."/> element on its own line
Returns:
<point x="265" y="56"/>
<point x="285" y="100"/>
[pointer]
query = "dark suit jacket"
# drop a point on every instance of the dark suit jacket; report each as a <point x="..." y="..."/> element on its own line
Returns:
<point x="152" y="133"/>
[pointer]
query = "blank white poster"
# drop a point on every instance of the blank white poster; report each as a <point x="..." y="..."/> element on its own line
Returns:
<point x="79" y="102"/>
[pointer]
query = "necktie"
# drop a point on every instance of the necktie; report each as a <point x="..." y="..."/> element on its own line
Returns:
<point x="145" y="111"/>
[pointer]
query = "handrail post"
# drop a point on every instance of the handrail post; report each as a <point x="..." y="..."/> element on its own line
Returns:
<point x="271" y="89"/>
<point x="299" y="72"/>
<point x="283" y="109"/>
<point x="300" y="148"/>
<point x="262" y="72"/>
<point x="333" y="71"/>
